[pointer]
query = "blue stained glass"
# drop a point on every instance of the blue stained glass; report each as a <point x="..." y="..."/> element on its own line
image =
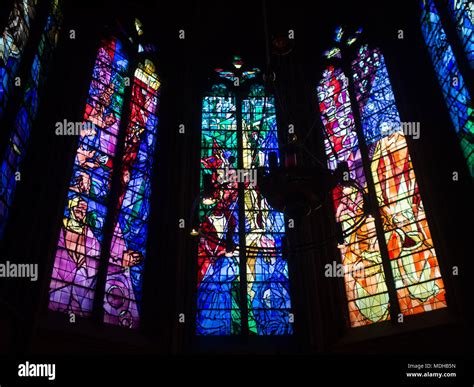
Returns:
<point x="34" y="85"/>
<point x="218" y="299"/>
<point x="12" y="43"/>
<point x="219" y="289"/>
<point x="462" y="12"/>
<point x="269" y="302"/>
<point x="454" y="89"/>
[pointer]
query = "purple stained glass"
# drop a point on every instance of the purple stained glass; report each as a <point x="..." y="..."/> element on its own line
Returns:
<point x="78" y="253"/>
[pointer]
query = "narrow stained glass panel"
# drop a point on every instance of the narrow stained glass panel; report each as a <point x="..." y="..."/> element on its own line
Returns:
<point x="218" y="304"/>
<point x="412" y="255"/>
<point x="462" y="12"/>
<point x="123" y="289"/>
<point x="455" y="91"/>
<point x="268" y="296"/>
<point x="365" y="285"/>
<point x="16" y="148"/>
<point x="12" y="44"/>
<point x="77" y="256"/>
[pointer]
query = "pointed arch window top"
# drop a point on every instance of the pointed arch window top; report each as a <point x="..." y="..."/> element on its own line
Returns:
<point x="143" y="46"/>
<point x="335" y="52"/>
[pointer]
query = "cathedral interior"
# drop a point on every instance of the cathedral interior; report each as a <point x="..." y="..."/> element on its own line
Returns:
<point x="251" y="179"/>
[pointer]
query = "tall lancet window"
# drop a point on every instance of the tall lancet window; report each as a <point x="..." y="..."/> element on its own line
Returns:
<point x="457" y="95"/>
<point x="128" y="249"/>
<point x="87" y="250"/>
<point x="12" y="44"/>
<point x="19" y="132"/>
<point x="243" y="285"/>
<point x="389" y="259"/>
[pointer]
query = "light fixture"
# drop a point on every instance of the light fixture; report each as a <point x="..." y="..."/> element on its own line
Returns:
<point x="194" y="232"/>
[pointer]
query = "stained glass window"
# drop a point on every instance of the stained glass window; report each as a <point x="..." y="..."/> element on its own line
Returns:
<point x="83" y="235"/>
<point x="218" y="275"/>
<point x="12" y="45"/>
<point x="463" y="15"/>
<point x="236" y="222"/>
<point x="123" y="290"/>
<point x="267" y="273"/>
<point x="411" y="254"/>
<point x="77" y="256"/>
<point x="366" y="290"/>
<point x="455" y="91"/>
<point x="28" y="110"/>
